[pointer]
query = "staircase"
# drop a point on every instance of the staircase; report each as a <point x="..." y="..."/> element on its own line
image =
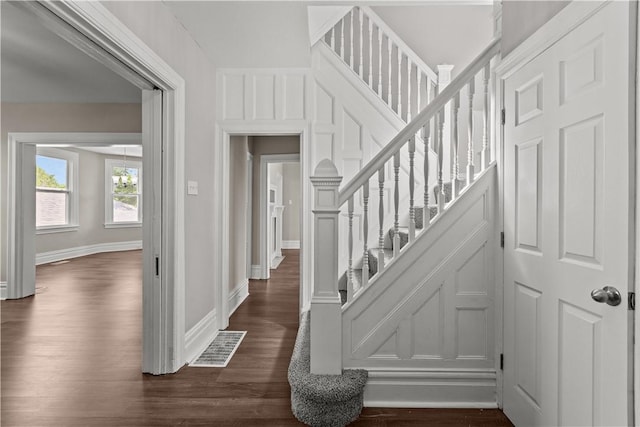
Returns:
<point x="415" y="307"/>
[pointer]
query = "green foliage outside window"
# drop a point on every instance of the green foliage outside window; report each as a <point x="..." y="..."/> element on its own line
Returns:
<point x="126" y="188"/>
<point x="46" y="180"/>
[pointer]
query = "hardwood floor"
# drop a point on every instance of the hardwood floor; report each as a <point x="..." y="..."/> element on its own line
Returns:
<point x="71" y="357"/>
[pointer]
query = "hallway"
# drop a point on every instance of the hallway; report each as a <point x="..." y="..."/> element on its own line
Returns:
<point x="71" y="357"/>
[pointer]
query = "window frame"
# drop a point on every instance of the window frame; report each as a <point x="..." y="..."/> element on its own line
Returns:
<point x="73" y="165"/>
<point x="109" y="164"/>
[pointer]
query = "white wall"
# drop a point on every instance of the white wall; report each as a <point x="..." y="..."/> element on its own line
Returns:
<point x="238" y="219"/>
<point x="91" y="230"/>
<point x="249" y="34"/>
<point x="442" y="34"/>
<point x="291" y="192"/>
<point x="154" y="23"/>
<point x="520" y="19"/>
<point x="57" y="118"/>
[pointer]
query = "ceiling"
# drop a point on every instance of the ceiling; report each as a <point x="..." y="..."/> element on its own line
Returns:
<point x="38" y="66"/>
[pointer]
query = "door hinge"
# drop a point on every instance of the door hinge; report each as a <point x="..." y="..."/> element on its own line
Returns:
<point x="632" y="301"/>
<point x="157" y="267"/>
<point x="501" y="361"/>
<point x="503" y="117"/>
<point x="502" y="239"/>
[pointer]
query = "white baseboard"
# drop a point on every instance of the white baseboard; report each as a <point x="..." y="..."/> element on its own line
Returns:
<point x="430" y="389"/>
<point x="62" y="254"/>
<point x="275" y="262"/>
<point x="256" y="272"/>
<point x="3" y="290"/>
<point x="291" y="244"/>
<point x="238" y="295"/>
<point x="200" y="336"/>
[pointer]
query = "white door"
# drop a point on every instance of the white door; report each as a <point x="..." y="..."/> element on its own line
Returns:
<point x="568" y="163"/>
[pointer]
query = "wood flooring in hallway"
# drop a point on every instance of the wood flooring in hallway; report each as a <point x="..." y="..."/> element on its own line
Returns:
<point x="71" y="357"/>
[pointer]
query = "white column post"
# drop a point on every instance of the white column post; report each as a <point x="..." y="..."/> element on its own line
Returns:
<point x="444" y="78"/>
<point x="326" y="310"/>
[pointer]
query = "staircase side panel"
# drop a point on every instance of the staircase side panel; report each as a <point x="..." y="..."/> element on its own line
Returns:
<point x="427" y="323"/>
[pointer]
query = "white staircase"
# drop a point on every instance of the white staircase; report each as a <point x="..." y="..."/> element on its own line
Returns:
<point x="424" y="324"/>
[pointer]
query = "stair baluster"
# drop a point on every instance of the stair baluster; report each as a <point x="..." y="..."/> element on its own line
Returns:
<point x="361" y="42"/>
<point x="412" y="212"/>
<point x="455" y="170"/>
<point x="408" y="90"/>
<point x="486" y="154"/>
<point x="333" y="38"/>
<point x="365" y="234"/>
<point x="399" y="83"/>
<point x="426" y="213"/>
<point x="380" y="63"/>
<point x="350" y="283"/>
<point x="419" y="91"/>
<point x="370" y="51"/>
<point x="396" y="204"/>
<point x="381" y="219"/>
<point x="470" y="167"/>
<point x="351" y="42"/>
<point x="390" y="46"/>
<point x="342" y="54"/>
<point x="439" y="141"/>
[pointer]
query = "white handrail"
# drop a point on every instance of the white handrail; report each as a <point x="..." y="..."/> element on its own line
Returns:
<point x="419" y="121"/>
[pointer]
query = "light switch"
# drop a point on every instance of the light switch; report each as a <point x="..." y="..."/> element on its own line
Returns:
<point x="192" y="188"/>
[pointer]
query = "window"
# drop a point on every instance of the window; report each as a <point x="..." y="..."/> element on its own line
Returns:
<point x="123" y="183"/>
<point x="56" y="190"/>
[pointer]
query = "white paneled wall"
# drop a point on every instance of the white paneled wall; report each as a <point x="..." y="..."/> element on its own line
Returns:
<point x="264" y="95"/>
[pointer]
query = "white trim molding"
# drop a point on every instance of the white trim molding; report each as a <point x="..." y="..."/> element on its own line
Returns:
<point x="91" y="27"/>
<point x="79" y="251"/>
<point x="200" y="336"/>
<point x="256" y="270"/>
<point x="430" y="389"/>
<point x="3" y="290"/>
<point x="291" y="244"/>
<point x="238" y="295"/>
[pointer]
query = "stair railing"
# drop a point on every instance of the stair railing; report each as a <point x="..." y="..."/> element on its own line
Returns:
<point x="383" y="61"/>
<point x="326" y="341"/>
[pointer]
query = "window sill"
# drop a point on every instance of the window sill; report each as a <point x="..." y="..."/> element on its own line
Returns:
<point x="123" y="225"/>
<point x="57" y="229"/>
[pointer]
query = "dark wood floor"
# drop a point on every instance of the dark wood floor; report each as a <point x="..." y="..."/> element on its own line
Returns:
<point x="71" y="357"/>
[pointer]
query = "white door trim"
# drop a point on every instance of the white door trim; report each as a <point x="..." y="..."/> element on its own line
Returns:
<point x="265" y="251"/>
<point x="86" y="24"/>
<point x="225" y="131"/>
<point x="636" y="357"/>
<point x="570" y="17"/>
<point x="249" y="218"/>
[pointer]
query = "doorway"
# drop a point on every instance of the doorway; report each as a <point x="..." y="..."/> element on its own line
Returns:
<point x="262" y="149"/>
<point x="163" y="119"/>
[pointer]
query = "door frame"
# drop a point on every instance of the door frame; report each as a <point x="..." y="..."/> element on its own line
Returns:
<point x="567" y="19"/>
<point x="265" y="251"/>
<point x="90" y="27"/>
<point x="19" y="258"/>
<point x="225" y="131"/>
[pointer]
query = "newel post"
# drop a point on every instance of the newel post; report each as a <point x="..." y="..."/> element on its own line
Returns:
<point x="326" y="309"/>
